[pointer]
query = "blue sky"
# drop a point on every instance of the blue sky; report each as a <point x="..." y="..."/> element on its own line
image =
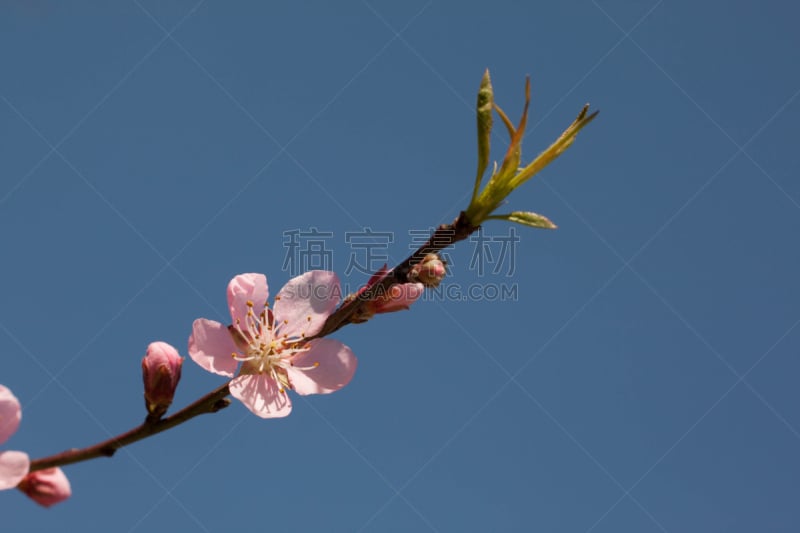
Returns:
<point x="642" y="379"/>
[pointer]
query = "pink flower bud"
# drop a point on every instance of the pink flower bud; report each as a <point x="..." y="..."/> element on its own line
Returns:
<point x="398" y="297"/>
<point x="46" y="487"/>
<point x="161" y="371"/>
<point x="430" y="271"/>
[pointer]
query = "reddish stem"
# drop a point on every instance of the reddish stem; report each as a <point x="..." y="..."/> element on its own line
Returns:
<point x="210" y="403"/>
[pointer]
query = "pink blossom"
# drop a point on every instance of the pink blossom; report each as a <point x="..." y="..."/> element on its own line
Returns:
<point x="161" y="371"/>
<point x="46" y="487"/>
<point x="13" y="465"/>
<point x="270" y="343"/>
<point x="397" y="297"/>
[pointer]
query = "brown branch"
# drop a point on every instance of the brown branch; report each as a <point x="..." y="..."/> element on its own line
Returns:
<point x="210" y="403"/>
<point x="444" y="236"/>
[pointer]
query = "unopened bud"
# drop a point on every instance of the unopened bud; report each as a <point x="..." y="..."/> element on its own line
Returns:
<point x="161" y="371"/>
<point x="398" y="297"/>
<point x="46" y="487"/>
<point x="430" y="271"/>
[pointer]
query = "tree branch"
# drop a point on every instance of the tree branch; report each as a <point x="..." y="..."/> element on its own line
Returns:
<point x="210" y="403"/>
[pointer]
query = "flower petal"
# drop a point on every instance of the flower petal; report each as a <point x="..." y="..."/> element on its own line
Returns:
<point x="305" y="302"/>
<point x="399" y="297"/>
<point x="337" y="364"/>
<point x="261" y="395"/>
<point x="46" y="487"/>
<point x="13" y="467"/>
<point x="10" y="413"/>
<point x="211" y="346"/>
<point x="244" y="288"/>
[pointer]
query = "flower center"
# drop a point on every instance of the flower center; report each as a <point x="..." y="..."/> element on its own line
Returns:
<point x="263" y="351"/>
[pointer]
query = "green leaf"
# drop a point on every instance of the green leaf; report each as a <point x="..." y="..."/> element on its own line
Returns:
<point x="555" y="149"/>
<point x="527" y="218"/>
<point x="484" y="116"/>
<point x="514" y="153"/>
